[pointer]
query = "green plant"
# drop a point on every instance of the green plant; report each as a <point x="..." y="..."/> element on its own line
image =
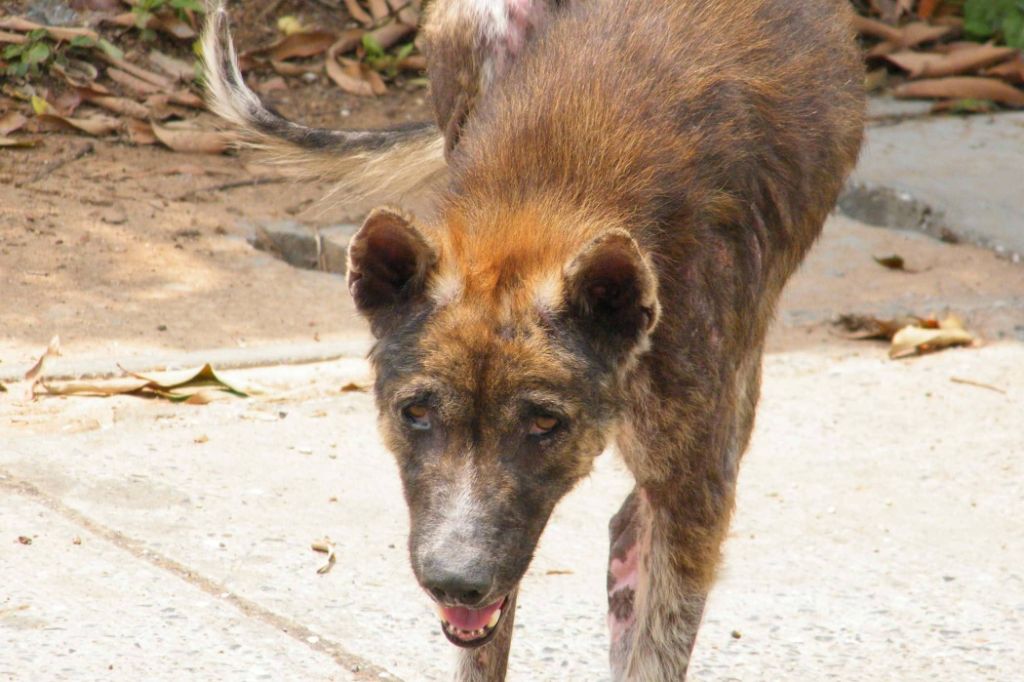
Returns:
<point x="38" y="52"/>
<point x="1000" y="19"/>
<point x="380" y="59"/>
<point x="144" y="10"/>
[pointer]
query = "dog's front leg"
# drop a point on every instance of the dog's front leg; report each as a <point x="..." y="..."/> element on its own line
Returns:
<point x="489" y="662"/>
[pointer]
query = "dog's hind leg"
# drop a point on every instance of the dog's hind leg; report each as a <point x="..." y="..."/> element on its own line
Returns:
<point x="489" y="662"/>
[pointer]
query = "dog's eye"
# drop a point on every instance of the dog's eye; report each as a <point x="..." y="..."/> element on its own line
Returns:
<point x="543" y="425"/>
<point x="417" y="416"/>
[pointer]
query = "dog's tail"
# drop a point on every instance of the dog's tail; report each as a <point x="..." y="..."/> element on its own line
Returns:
<point x="384" y="163"/>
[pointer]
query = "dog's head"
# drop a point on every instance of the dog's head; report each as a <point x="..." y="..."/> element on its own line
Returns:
<point x="498" y="368"/>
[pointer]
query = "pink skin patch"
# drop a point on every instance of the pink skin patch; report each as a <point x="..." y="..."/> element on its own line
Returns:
<point x="625" y="576"/>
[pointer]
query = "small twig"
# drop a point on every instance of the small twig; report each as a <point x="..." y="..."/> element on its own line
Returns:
<point x="327" y="547"/>
<point x="84" y="150"/>
<point x="234" y="184"/>
<point x="978" y="384"/>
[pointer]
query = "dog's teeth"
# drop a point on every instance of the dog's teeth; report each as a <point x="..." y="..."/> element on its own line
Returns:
<point x="495" y="617"/>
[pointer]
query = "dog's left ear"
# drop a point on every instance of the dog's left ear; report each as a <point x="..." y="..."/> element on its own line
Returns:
<point x="611" y="292"/>
<point x="389" y="262"/>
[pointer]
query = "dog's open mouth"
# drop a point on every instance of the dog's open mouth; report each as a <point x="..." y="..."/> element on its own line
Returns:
<point x="471" y="627"/>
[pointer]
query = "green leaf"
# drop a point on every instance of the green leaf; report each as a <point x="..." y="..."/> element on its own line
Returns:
<point x="14" y="50"/>
<point x="372" y="46"/>
<point x="82" y="41"/>
<point x="1013" y="29"/>
<point x="404" y="51"/>
<point x="193" y="5"/>
<point x="142" y="17"/>
<point x="111" y="50"/>
<point x="37" y="54"/>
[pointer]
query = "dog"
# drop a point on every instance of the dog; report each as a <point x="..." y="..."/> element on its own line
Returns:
<point x="625" y="189"/>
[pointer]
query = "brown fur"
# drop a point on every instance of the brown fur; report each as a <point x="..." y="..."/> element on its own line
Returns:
<point x="630" y="188"/>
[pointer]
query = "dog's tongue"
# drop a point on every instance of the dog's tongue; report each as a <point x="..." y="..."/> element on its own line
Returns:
<point x="470" y="619"/>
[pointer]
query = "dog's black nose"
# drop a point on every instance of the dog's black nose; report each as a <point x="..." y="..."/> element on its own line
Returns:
<point x="466" y="588"/>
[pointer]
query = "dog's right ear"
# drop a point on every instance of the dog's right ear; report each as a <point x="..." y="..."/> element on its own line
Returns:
<point x="389" y="262"/>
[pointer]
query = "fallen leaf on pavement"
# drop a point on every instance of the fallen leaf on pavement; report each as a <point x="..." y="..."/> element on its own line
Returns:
<point x="194" y="387"/>
<point x="962" y="87"/>
<point x="916" y="340"/>
<point x="192" y="140"/>
<point x="893" y="262"/>
<point x="868" y="327"/>
<point x="965" y="60"/>
<point x="327" y="547"/>
<point x="353" y="387"/>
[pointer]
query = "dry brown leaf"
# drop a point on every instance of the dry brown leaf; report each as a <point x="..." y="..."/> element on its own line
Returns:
<point x="24" y="540"/>
<point x="137" y="85"/>
<point x="96" y="125"/>
<point x="868" y="327"/>
<point x="356" y="11"/>
<point x="77" y="72"/>
<point x="186" y="98"/>
<point x="910" y="35"/>
<point x="15" y="142"/>
<point x="348" y="78"/>
<point x="416" y="62"/>
<point x="137" y="71"/>
<point x="177" y="69"/>
<point x="914" y="340"/>
<point x="966" y="60"/>
<point x="56" y="32"/>
<point x="12" y="121"/>
<point x="1012" y="70"/>
<point x="15" y="38"/>
<point x="193" y="140"/>
<point x="195" y="387"/>
<point x="297" y="68"/>
<point x="389" y="34"/>
<point x="352" y="387"/>
<point x="962" y="87"/>
<point x="139" y="132"/>
<point x="379" y="9"/>
<point x="893" y="262"/>
<point x="298" y="45"/>
<point x="173" y="26"/>
<point x="119" y="105"/>
<point x="876" y="29"/>
<point x="926" y="8"/>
